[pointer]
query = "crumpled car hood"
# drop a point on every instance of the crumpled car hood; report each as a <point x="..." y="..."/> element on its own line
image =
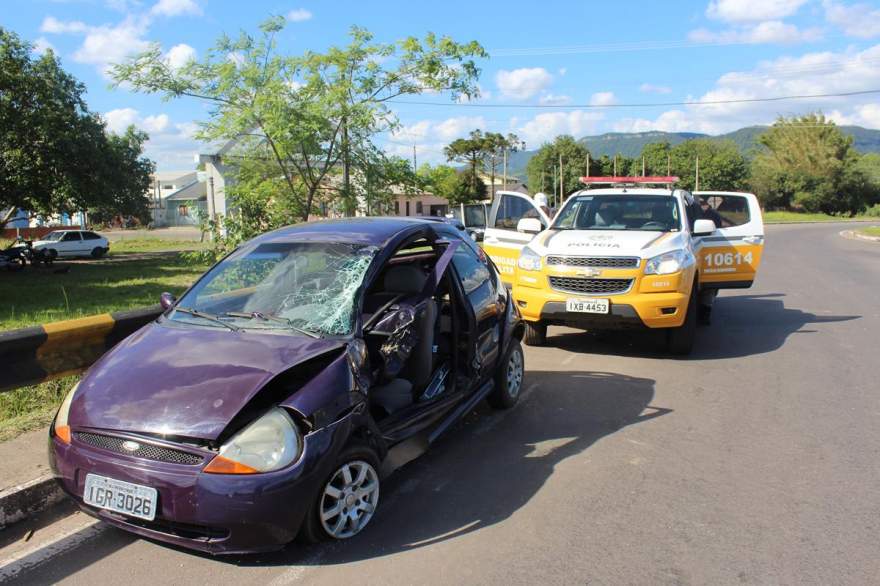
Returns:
<point x="186" y="382"/>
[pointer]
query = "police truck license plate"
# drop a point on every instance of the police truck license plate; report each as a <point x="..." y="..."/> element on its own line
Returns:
<point x="122" y="497"/>
<point x="587" y="305"/>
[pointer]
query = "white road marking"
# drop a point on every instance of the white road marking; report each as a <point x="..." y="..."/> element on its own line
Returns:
<point x="44" y="551"/>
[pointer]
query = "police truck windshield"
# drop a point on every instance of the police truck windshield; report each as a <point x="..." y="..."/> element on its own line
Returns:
<point x="656" y="213"/>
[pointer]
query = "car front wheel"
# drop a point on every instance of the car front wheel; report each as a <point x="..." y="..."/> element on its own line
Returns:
<point x="97" y="252"/>
<point x="348" y="499"/>
<point x="680" y="340"/>
<point x="536" y="333"/>
<point x="508" y="380"/>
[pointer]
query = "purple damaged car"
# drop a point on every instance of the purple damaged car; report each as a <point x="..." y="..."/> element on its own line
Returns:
<point x="274" y="396"/>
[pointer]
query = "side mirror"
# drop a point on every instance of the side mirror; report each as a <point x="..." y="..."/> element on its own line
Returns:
<point x="166" y="300"/>
<point x="529" y="225"/>
<point x="703" y="227"/>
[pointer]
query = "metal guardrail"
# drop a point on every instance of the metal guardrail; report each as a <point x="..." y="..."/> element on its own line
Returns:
<point x="29" y="356"/>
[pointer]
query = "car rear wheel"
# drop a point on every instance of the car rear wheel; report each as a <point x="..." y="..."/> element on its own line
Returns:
<point x="48" y="256"/>
<point x="348" y="498"/>
<point x="680" y="340"/>
<point x="98" y="252"/>
<point x="508" y="380"/>
<point x="536" y="333"/>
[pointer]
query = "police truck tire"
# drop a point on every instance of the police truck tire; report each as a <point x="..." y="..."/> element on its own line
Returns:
<point x="535" y="334"/>
<point x="680" y="340"/>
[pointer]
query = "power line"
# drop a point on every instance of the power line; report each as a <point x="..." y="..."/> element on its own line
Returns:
<point x="637" y="104"/>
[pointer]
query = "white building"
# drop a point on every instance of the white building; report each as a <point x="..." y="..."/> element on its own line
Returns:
<point x="177" y="198"/>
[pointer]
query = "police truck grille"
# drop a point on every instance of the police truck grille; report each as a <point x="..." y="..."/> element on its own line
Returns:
<point x="590" y="286"/>
<point x="609" y="262"/>
<point x="148" y="451"/>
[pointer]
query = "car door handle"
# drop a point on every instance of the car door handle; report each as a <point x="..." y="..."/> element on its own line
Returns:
<point x="752" y="239"/>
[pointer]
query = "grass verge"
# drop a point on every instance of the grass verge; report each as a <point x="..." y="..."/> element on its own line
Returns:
<point x="871" y="231"/>
<point x="154" y="245"/>
<point x="30" y="408"/>
<point x="39" y="295"/>
<point x="777" y="217"/>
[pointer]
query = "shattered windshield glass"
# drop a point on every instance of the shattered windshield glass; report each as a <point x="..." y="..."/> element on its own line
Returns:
<point x="310" y="288"/>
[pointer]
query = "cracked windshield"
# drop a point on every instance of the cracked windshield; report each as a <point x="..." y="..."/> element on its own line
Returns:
<point x="308" y="288"/>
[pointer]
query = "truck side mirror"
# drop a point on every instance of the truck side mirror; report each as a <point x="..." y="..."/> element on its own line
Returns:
<point x="529" y="225"/>
<point x="703" y="227"/>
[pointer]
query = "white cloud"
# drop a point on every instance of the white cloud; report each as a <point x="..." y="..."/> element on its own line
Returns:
<point x="105" y="45"/>
<point x="809" y="74"/>
<point x="522" y="84"/>
<point x="299" y="15"/>
<point x="179" y="55"/>
<point x="54" y="26"/>
<point x="171" y="145"/>
<point x="752" y="10"/>
<point x="650" y="88"/>
<point x="176" y="8"/>
<point x="554" y="100"/>
<point x="771" y="31"/>
<point x="602" y="99"/>
<point x="867" y="115"/>
<point x="546" y="126"/>
<point x="856" y="20"/>
<point x="41" y="45"/>
<point x="562" y="71"/>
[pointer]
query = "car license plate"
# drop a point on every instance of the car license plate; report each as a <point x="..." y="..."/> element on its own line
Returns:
<point x="120" y="496"/>
<point x="587" y="305"/>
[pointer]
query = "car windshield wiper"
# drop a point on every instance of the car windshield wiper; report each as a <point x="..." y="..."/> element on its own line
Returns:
<point x="207" y="316"/>
<point x="269" y="317"/>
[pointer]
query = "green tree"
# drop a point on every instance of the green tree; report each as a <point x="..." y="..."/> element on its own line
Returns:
<point x="495" y="145"/>
<point x="441" y="180"/>
<point x="315" y="115"/>
<point x="657" y="158"/>
<point x="722" y="166"/>
<point x="808" y="163"/>
<point x="472" y="151"/>
<point x="55" y="155"/>
<point x="468" y="188"/>
<point x="543" y="168"/>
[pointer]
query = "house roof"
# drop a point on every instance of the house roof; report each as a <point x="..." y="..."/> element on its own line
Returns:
<point x="177" y="177"/>
<point x="196" y="190"/>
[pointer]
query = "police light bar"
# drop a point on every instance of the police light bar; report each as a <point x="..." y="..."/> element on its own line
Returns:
<point x="654" y="179"/>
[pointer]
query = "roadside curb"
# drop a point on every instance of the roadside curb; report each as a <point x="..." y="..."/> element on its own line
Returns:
<point x="20" y="501"/>
<point x="854" y="235"/>
<point x="821" y="222"/>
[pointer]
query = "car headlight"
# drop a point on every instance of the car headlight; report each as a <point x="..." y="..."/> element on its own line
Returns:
<point x="668" y="262"/>
<point x="529" y="260"/>
<point x="269" y="443"/>
<point x="60" y="428"/>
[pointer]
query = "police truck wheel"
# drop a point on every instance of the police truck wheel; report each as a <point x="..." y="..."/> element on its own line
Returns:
<point x="535" y="334"/>
<point x="680" y="340"/>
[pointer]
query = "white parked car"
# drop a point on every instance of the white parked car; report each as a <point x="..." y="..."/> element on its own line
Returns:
<point x="72" y="243"/>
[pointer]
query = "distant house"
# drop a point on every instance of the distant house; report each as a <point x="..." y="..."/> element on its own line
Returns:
<point x="177" y="198"/>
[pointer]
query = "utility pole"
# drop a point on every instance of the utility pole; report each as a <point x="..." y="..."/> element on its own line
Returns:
<point x="668" y="165"/>
<point x="415" y="165"/>
<point x="588" y="164"/>
<point x="346" y="177"/>
<point x="643" y="165"/>
<point x="697" y="178"/>
<point x="615" y="165"/>
<point x="504" y="172"/>
<point x="561" y="179"/>
<point x="554" y="184"/>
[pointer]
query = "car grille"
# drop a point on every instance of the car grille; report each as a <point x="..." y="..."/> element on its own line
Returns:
<point x="590" y="286"/>
<point x="610" y="262"/>
<point x="148" y="451"/>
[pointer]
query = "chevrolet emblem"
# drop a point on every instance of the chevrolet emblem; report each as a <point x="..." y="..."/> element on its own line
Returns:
<point x="589" y="272"/>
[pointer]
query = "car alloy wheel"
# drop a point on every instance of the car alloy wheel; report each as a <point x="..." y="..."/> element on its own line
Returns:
<point x="514" y="372"/>
<point x="349" y="499"/>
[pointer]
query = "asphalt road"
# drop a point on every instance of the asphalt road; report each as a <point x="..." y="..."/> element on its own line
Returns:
<point x="757" y="461"/>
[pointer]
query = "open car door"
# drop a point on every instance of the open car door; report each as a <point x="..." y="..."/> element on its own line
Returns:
<point x="502" y="242"/>
<point x="730" y="256"/>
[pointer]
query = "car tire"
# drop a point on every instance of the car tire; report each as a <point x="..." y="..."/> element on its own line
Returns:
<point x="356" y="458"/>
<point x="49" y="256"/>
<point x="535" y="334"/>
<point x="680" y="340"/>
<point x="98" y="252"/>
<point x="509" y="378"/>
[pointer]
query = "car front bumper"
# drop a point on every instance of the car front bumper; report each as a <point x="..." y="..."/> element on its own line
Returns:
<point x="653" y="301"/>
<point x="214" y="513"/>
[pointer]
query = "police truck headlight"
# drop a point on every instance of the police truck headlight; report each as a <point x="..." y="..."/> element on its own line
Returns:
<point x="669" y="262"/>
<point x="529" y="260"/>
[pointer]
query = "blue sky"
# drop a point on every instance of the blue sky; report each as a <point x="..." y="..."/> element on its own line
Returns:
<point x="550" y="60"/>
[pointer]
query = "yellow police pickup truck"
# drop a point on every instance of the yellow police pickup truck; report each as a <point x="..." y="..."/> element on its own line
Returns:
<point x="626" y="252"/>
